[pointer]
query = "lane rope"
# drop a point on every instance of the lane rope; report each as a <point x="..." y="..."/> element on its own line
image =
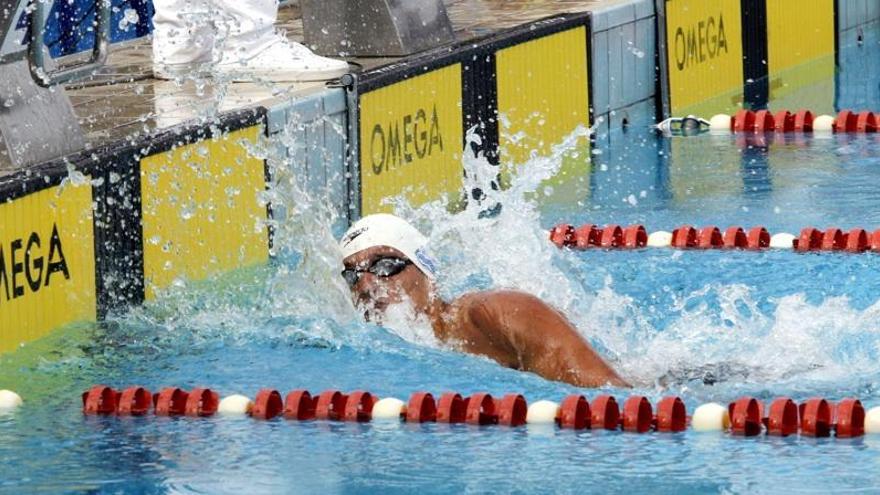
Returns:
<point x="746" y="416"/>
<point x="612" y="236"/>
<point x="801" y="121"/>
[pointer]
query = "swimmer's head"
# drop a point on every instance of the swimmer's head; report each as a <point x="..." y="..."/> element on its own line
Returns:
<point x="387" y="261"/>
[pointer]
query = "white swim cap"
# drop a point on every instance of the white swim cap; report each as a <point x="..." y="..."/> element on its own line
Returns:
<point x="383" y="229"/>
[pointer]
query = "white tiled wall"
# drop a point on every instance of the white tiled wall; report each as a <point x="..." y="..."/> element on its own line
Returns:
<point x="623" y="60"/>
<point x="855" y="13"/>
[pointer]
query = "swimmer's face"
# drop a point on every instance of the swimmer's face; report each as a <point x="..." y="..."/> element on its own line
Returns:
<point x="381" y="276"/>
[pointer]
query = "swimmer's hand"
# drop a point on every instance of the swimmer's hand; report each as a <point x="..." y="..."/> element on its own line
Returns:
<point x="523" y="332"/>
<point x="726" y="371"/>
<point x="707" y="374"/>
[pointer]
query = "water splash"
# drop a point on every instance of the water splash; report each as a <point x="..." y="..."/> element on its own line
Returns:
<point x="506" y="249"/>
<point x="402" y="320"/>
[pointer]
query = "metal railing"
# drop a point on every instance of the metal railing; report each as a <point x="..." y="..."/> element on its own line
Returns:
<point x="46" y="77"/>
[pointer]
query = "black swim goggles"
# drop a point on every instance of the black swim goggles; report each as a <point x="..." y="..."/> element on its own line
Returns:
<point x="381" y="267"/>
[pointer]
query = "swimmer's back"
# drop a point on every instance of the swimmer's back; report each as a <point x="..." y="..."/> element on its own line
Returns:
<point x="521" y="331"/>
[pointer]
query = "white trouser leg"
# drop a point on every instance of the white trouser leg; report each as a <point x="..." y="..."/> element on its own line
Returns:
<point x="245" y="28"/>
<point x="182" y="32"/>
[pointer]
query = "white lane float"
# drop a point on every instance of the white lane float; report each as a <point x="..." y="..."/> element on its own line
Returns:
<point x="721" y="123"/>
<point x="544" y="412"/>
<point x="782" y="241"/>
<point x="710" y="417"/>
<point x="389" y="409"/>
<point x="823" y="124"/>
<point x="9" y="401"/>
<point x="235" y="405"/>
<point x="661" y="238"/>
<point x="872" y="421"/>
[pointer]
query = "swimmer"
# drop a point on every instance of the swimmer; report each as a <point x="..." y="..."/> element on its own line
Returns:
<point x="386" y="262"/>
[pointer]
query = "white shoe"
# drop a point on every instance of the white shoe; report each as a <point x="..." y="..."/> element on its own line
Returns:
<point x="283" y="61"/>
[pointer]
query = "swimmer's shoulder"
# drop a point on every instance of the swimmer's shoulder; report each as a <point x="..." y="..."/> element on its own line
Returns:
<point x="491" y="305"/>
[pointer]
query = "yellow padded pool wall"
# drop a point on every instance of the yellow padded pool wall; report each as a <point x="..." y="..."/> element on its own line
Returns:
<point x="542" y="93"/>
<point x="704" y="56"/>
<point x="47" y="263"/>
<point x="202" y="213"/>
<point x="543" y="96"/>
<point x="800" y="44"/>
<point x="411" y="140"/>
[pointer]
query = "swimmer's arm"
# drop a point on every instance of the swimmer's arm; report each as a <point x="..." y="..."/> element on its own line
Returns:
<point x="541" y="340"/>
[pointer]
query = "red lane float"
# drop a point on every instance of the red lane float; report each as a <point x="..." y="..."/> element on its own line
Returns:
<point x="803" y="121"/>
<point x="300" y="405"/>
<point x="735" y="238"/>
<point x="764" y="121"/>
<point x="267" y="405"/>
<point x="709" y="238"/>
<point x="134" y="401"/>
<point x="612" y="237"/>
<point x="635" y="236"/>
<point x="201" y="402"/>
<point x="562" y="235"/>
<point x="784" y="121"/>
<point x="100" y="399"/>
<point x="866" y="122"/>
<point x="744" y="121"/>
<point x="330" y="405"/>
<point x="604" y="413"/>
<point x="782" y="419"/>
<point x="857" y="241"/>
<point x="833" y="240"/>
<point x="574" y="413"/>
<point x="483" y="409"/>
<point x="850" y="418"/>
<point x="137" y="401"/>
<point x="874" y="241"/>
<point x="809" y="240"/>
<point x="815" y="418"/>
<point x="757" y="238"/>
<point x="684" y="237"/>
<point x="846" y="121"/>
<point x="745" y="417"/>
<point x="452" y="408"/>
<point x="480" y="410"/>
<point x="671" y="415"/>
<point x="512" y="410"/>
<point x="170" y="401"/>
<point x="422" y="408"/>
<point x="359" y="406"/>
<point x="587" y="236"/>
<point x="638" y="415"/>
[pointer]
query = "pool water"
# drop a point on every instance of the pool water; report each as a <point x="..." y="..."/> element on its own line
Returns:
<point x="708" y="326"/>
